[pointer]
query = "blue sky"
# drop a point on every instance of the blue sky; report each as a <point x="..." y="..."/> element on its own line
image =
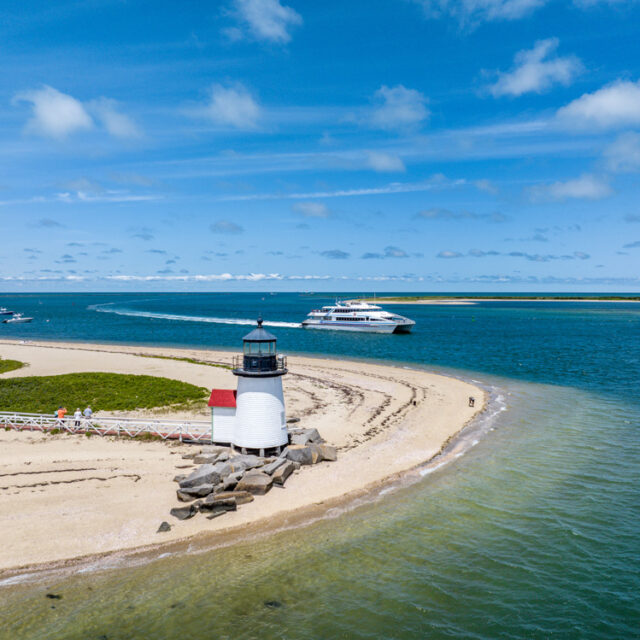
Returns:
<point x="427" y="145"/>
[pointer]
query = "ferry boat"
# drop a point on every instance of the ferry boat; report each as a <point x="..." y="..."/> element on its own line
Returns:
<point x="355" y="315"/>
<point x="17" y="317"/>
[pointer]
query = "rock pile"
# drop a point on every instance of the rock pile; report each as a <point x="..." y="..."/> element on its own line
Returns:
<point x="226" y="479"/>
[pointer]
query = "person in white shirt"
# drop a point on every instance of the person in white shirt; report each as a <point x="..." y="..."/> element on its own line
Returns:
<point x="77" y="416"/>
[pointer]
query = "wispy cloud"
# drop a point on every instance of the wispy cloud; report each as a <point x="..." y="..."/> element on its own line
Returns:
<point x="435" y="182"/>
<point x="312" y="209"/>
<point x="471" y="12"/>
<point x="226" y="227"/>
<point x="623" y="154"/>
<point x="586" y="187"/>
<point x="437" y="213"/>
<point x="384" y="162"/>
<point x="398" y="108"/>
<point x="532" y="257"/>
<point x="335" y="254"/>
<point x="49" y="223"/>
<point x="631" y="245"/>
<point x="266" y="20"/>
<point x="389" y="252"/>
<point x="114" y="121"/>
<point x="232" y="106"/>
<point x="537" y="70"/>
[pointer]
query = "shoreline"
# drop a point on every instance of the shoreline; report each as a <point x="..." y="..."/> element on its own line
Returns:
<point x="474" y="301"/>
<point x="364" y="409"/>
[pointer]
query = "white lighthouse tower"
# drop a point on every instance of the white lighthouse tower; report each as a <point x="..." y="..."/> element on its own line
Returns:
<point x="260" y="415"/>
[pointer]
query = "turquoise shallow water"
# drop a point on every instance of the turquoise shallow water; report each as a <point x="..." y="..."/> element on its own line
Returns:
<point x="534" y="532"/>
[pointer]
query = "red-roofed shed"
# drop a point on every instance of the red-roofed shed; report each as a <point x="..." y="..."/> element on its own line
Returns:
<point x="223" y="398"/>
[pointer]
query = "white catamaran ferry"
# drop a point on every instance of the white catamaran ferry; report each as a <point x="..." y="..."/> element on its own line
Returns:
<point x="354" y="315"/>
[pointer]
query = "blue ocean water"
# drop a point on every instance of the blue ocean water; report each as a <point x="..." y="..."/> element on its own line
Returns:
<point x="532" y="533"/>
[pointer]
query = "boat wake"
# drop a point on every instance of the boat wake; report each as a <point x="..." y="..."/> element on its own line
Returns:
<point x="107" y="308"/>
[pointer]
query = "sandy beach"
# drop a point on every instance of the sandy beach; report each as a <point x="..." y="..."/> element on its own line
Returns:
<point x="66" y="496"/>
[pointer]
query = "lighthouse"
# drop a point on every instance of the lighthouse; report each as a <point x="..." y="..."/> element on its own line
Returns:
<point x="260" y="421"/>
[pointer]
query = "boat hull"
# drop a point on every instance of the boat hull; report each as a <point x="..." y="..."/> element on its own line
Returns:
<point x="21" y="321"/>
<point x="359" y="328"/>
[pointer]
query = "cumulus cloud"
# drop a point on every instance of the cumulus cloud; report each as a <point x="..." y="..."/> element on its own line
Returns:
<point x="384" y="162"/>
<point x="335" y="254"/>
<point x="55" y="114"/>
<point x="615" y="105"/>
<point x="312" y="209"/>
<point x="389" y="252"/>
<point x="623" y="154"/>
<point x="233" y="106"/>
<point x="586" y="187"/>
<point x="266" y="20"/>
<point x="398" y="108"/>
<point x="437" y="213"/>
<point x="225" y="226"/>
<point x="116" y="123"/>
<point x="537" y="70"/>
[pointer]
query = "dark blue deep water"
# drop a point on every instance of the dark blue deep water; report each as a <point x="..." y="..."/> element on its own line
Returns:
<point x="532" y="533"/>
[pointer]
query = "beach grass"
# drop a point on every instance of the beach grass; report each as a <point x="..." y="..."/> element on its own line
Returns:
<point x="10" y="365"/>
<point x="103" y="391"/>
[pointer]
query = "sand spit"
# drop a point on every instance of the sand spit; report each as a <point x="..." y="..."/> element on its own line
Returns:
<point x="67" y="496"/>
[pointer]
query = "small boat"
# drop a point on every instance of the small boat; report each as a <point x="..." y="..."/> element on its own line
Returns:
<point x="17" y="317"/>
<point x="5" y="312"/>
<point x="355" y="315"/>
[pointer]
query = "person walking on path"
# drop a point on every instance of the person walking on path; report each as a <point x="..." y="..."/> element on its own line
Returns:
<point x="61" y="413"/>
<point x="77" y="416"/>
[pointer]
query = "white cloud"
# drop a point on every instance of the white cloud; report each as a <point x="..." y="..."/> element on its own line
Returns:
<point x="225" y="226"/>
<point x="312" y="209"/>
<point x="587" y="187"/>
<point x="474" y="11"/>
<point x="536" y="70"/>
<point x="615" y="105"/>
<point x="266" y="20"/>
<point x="398" y="108"/>
<point x="623" y="154"/>
<point x="117" y="124"/>
<point x="384" y="162"/>
<point x="233" y="106"/>
<point x="55" y="114"/>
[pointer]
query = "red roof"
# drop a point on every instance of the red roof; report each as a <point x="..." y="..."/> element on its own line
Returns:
<point x="223" y="398"/>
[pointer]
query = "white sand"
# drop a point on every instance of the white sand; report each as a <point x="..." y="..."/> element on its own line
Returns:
<point x="66" y="496"/>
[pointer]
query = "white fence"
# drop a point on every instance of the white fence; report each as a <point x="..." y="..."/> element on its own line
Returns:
<point x="199" y="431"/>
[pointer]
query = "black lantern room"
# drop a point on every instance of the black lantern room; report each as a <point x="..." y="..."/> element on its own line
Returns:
<point x="260" y="357"/>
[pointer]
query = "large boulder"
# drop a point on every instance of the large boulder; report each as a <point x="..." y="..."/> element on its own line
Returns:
<point x="241" y="497"/>
<point x="184" y="513"/>
<point x="206" y="474"/>
<point x="215" y="502"/>
<point x="229" y="483"/>
<point x="300" y="453"/>
<point x="281" y="474"/>
<point x="206" y="458"/>
<point x="198" y="491"/>
<point x="305" y="436"/>
<point x="248" y="461"/>
<point x="180" y="477"/>
<point x="272" y="466"/>
<point x="256" y="482"/>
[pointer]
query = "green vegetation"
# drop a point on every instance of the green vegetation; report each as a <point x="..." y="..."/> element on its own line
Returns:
<point x="103" y="391"/>
<point x="189" y="360"/>
<point x="10" y="365"/>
